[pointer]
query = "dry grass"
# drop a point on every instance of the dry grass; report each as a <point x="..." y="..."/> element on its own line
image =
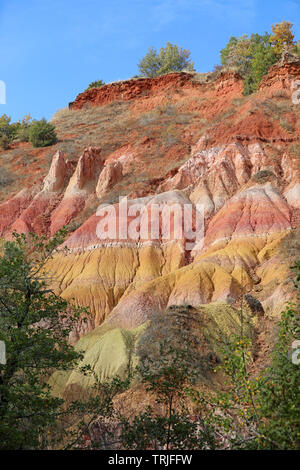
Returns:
<point x="155" y="132"/>
<point x="106" y="127"/>
<point x="294" y="149"/>
<point x="6" y="178"/>
<point x="275" y="108"/>
<point x="280" y="94"/>
<point x="290" y="246"/>
<point x="287" y="125"/>
<point x="263" y="176"/>
<point x="60" y="114"/>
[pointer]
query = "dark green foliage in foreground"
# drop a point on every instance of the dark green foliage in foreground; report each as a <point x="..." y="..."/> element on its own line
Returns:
<point x="35" y="325"/>
<point x="278" y="395"/>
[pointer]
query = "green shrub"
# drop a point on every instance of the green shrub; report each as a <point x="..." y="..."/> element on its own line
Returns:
<point x="4" y="141"/>
<point x="42" y="133"/>
<point x="22" y="131"/>
<point x="169" y="59"/>
<point x="263" y="175"/>
<point x="5" y="131"/>
<point x="96" y="84"/>
<point x="10" y="131"/>
<point x="169" y="362"/>
<point x="5" y="125"/>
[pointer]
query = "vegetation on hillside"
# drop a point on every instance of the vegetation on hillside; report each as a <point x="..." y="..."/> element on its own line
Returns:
<point x="253" y="56"/>
<point x="283" y="37"/>
<point x="170" y="58"/>
<point x="10" y="131"/>
<point x="39" y="133"/>
<point x="169" y="360"/>
<point x="251" y="411"/>
<point x="96" y="84"/>
<point x="34" y="324"/>
<point x="42" y="133"/>
<point x="259" y="411"/>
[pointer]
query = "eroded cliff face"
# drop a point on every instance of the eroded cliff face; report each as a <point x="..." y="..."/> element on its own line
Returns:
<point x="166" y="142"/>
<point x="144" y="87"/>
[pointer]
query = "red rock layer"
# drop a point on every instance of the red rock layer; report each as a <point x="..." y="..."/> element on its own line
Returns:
<point x="134" y="88"/>
<point x="281" y="75"/>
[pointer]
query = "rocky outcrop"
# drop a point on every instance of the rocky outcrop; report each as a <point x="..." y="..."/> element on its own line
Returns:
<point x="143" y="275"/>
<point x="129" y="89"/>
<point x="81" y="185"/>
<point x="182" y="141"/>
<point x="282" y="75"/>
<point x="59" y="174"/>
<point x="292" y="195"/>
<point x="14" y="207"/>
<point x="111" y="174"/>
<point x="134" y="88"/>
<point x="258" y="211"/>
<point x="31" y="214"/>
<point x="213" y="175"/>
<point x="106" y="349"/>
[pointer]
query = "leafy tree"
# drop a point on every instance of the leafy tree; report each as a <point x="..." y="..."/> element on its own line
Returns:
<point x="169" y="363"/>
<point x="96" y="84"/>
<point x="23" y="130"/>
<point x="95" y="411"/>
<point x="5" y="125"/>
<point x="6" y="131"/>
<point x="236" y="54"/>
<point x="169" y="59"/>
<point x="262" y="411"/>
<point x="9" y="131"/>
<point x="278" y="395"/>
<point x="149" y="66"/>
<point x="251" y="57"/>
<point x="4" y="141"/>
<point x="283" y="37"/>
<point x="149" y="430"/>
<point x="42" y="133"/>
<point x="262" y="58"/>
<point x="35" y="325"/>
<point x="297" y="48"/>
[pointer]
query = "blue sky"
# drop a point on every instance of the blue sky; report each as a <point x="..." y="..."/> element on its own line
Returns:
<point x="52" y="49"/>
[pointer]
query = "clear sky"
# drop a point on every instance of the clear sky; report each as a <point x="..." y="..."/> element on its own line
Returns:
<point x="51" y="50"/>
